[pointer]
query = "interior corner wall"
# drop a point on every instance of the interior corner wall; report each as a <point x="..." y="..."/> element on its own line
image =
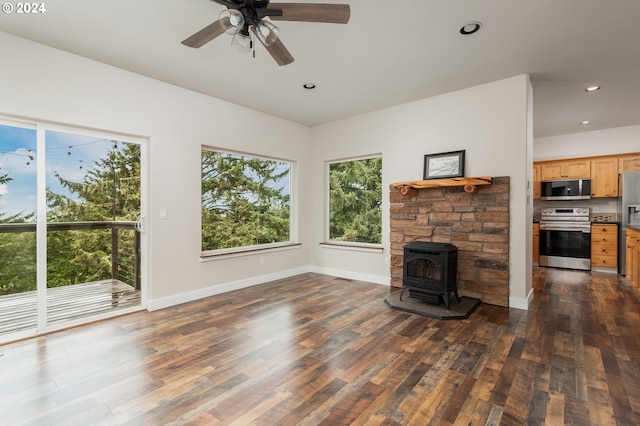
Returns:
<point x="48" y="85"/>
<point x="489" y="122"/>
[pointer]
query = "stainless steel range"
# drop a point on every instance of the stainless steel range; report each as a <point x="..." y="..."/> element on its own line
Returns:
<point x="565" y="238"/>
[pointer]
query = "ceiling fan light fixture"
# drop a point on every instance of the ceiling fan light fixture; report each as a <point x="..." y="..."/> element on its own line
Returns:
<point x="267" y="32"/>
<point x="241" y="42"/>
<point x="231" y="21"/>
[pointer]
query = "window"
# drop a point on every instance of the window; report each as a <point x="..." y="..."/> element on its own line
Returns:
<point x="246" y="201"/>
<point x="355" y="199"/>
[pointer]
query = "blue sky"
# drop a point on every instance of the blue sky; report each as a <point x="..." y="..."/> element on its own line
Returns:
<point x="69" y="155"/>
<point x="17" y="148"/>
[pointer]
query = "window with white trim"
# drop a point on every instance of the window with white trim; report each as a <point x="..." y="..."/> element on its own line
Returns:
<point x="246" y="202"/>
<point x="355" y="200"/>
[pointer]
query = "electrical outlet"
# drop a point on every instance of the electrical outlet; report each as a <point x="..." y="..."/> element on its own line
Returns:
<point x="262" y="260"/>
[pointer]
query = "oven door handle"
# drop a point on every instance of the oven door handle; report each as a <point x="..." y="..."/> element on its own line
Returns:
<point x="567" y="228"/>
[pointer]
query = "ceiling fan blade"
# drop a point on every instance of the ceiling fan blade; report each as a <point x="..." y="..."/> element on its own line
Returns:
<point x="205" y="35"/>
<point x="278" y="51"/>
<point x="310" y="12"/>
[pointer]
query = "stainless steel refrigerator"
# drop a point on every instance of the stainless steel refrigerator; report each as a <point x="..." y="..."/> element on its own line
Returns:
<point x="630" y="211"/>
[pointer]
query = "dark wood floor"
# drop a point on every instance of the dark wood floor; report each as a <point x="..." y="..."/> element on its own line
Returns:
<point x="320" y="350"/>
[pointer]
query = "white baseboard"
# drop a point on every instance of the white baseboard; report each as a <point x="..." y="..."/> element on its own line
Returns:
<point x="165" y="302"/>
<point x="520" y="303"/>
<point x="376" y="279"/>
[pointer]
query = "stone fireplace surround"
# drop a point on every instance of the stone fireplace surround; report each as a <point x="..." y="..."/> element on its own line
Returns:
<point x="476" y="223"/>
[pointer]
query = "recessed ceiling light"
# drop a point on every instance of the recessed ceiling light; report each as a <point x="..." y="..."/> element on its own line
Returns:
<point x="592" y="88"/>
<point x="584" y="122"/>
<point x="309" y="86"/>
<point x="470" y="28"/>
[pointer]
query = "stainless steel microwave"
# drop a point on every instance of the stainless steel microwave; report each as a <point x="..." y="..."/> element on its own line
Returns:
<point x="569" y="189"/>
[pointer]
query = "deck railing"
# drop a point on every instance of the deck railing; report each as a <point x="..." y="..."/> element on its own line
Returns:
<point x="114" y="225"/>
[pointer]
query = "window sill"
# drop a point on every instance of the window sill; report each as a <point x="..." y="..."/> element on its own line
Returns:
<point x="371" y="248"/>
<point x="246" y="251"/>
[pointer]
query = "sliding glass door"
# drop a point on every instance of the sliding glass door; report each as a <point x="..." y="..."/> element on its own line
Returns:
<point x="93" y="203"/>
<point x="18" y="206"/>
<point x="71" y="203"/>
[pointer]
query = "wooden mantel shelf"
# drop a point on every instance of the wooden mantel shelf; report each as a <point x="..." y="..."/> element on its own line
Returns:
<point x="469" y="183"/>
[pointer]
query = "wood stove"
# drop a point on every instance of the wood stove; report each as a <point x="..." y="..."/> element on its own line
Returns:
<point x="430" y="271"/>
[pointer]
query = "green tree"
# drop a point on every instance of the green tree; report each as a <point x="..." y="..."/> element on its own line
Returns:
<point x="355" y="199"/>
<point x="19" y="274"/>
<point x="244" y="201"/>
<point x="110" y="190"/>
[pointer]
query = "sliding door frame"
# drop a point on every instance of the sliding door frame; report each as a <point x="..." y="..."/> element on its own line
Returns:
<point x="41" y="128"/>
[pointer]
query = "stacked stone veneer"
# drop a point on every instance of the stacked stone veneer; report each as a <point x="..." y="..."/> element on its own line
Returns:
<point x="477" y="223"/>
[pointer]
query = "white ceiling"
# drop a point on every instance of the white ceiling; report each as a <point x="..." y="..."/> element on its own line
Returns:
<point x="391" y="52"/>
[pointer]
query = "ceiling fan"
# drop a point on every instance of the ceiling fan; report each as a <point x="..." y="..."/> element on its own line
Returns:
<point x="242" y="18"/>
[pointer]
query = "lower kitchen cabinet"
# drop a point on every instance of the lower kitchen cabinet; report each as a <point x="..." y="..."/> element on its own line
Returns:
<point x="604" y="245"/>
<point x="633" y="257"/>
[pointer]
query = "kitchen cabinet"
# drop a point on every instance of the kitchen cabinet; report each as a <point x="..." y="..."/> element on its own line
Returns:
<point x="604" y="245"/>
<point x="536" y="181"/>
<point x="629" y="163"/>
<point x="565" y="169"/>
<point x="633" y="257"/>
<point x="604" y="177"/>
<point x="535" y="241"/>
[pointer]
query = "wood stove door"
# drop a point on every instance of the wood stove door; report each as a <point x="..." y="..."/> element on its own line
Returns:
<point x="422" y="271"/>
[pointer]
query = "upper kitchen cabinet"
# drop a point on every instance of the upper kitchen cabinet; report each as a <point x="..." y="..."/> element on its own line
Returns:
<point x="537" y="191"/>
<point x="604" y="177"/>
<point x="629" y="163"/>
<point x="565" y="169"/>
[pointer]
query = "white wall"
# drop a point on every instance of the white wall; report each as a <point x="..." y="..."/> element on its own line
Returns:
<point x="488" y="121"/>
<point x="40" y="83"/>
<point x="619" y="140"/>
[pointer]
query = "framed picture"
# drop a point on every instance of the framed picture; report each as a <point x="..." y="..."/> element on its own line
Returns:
<point x="444" y="165"/>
